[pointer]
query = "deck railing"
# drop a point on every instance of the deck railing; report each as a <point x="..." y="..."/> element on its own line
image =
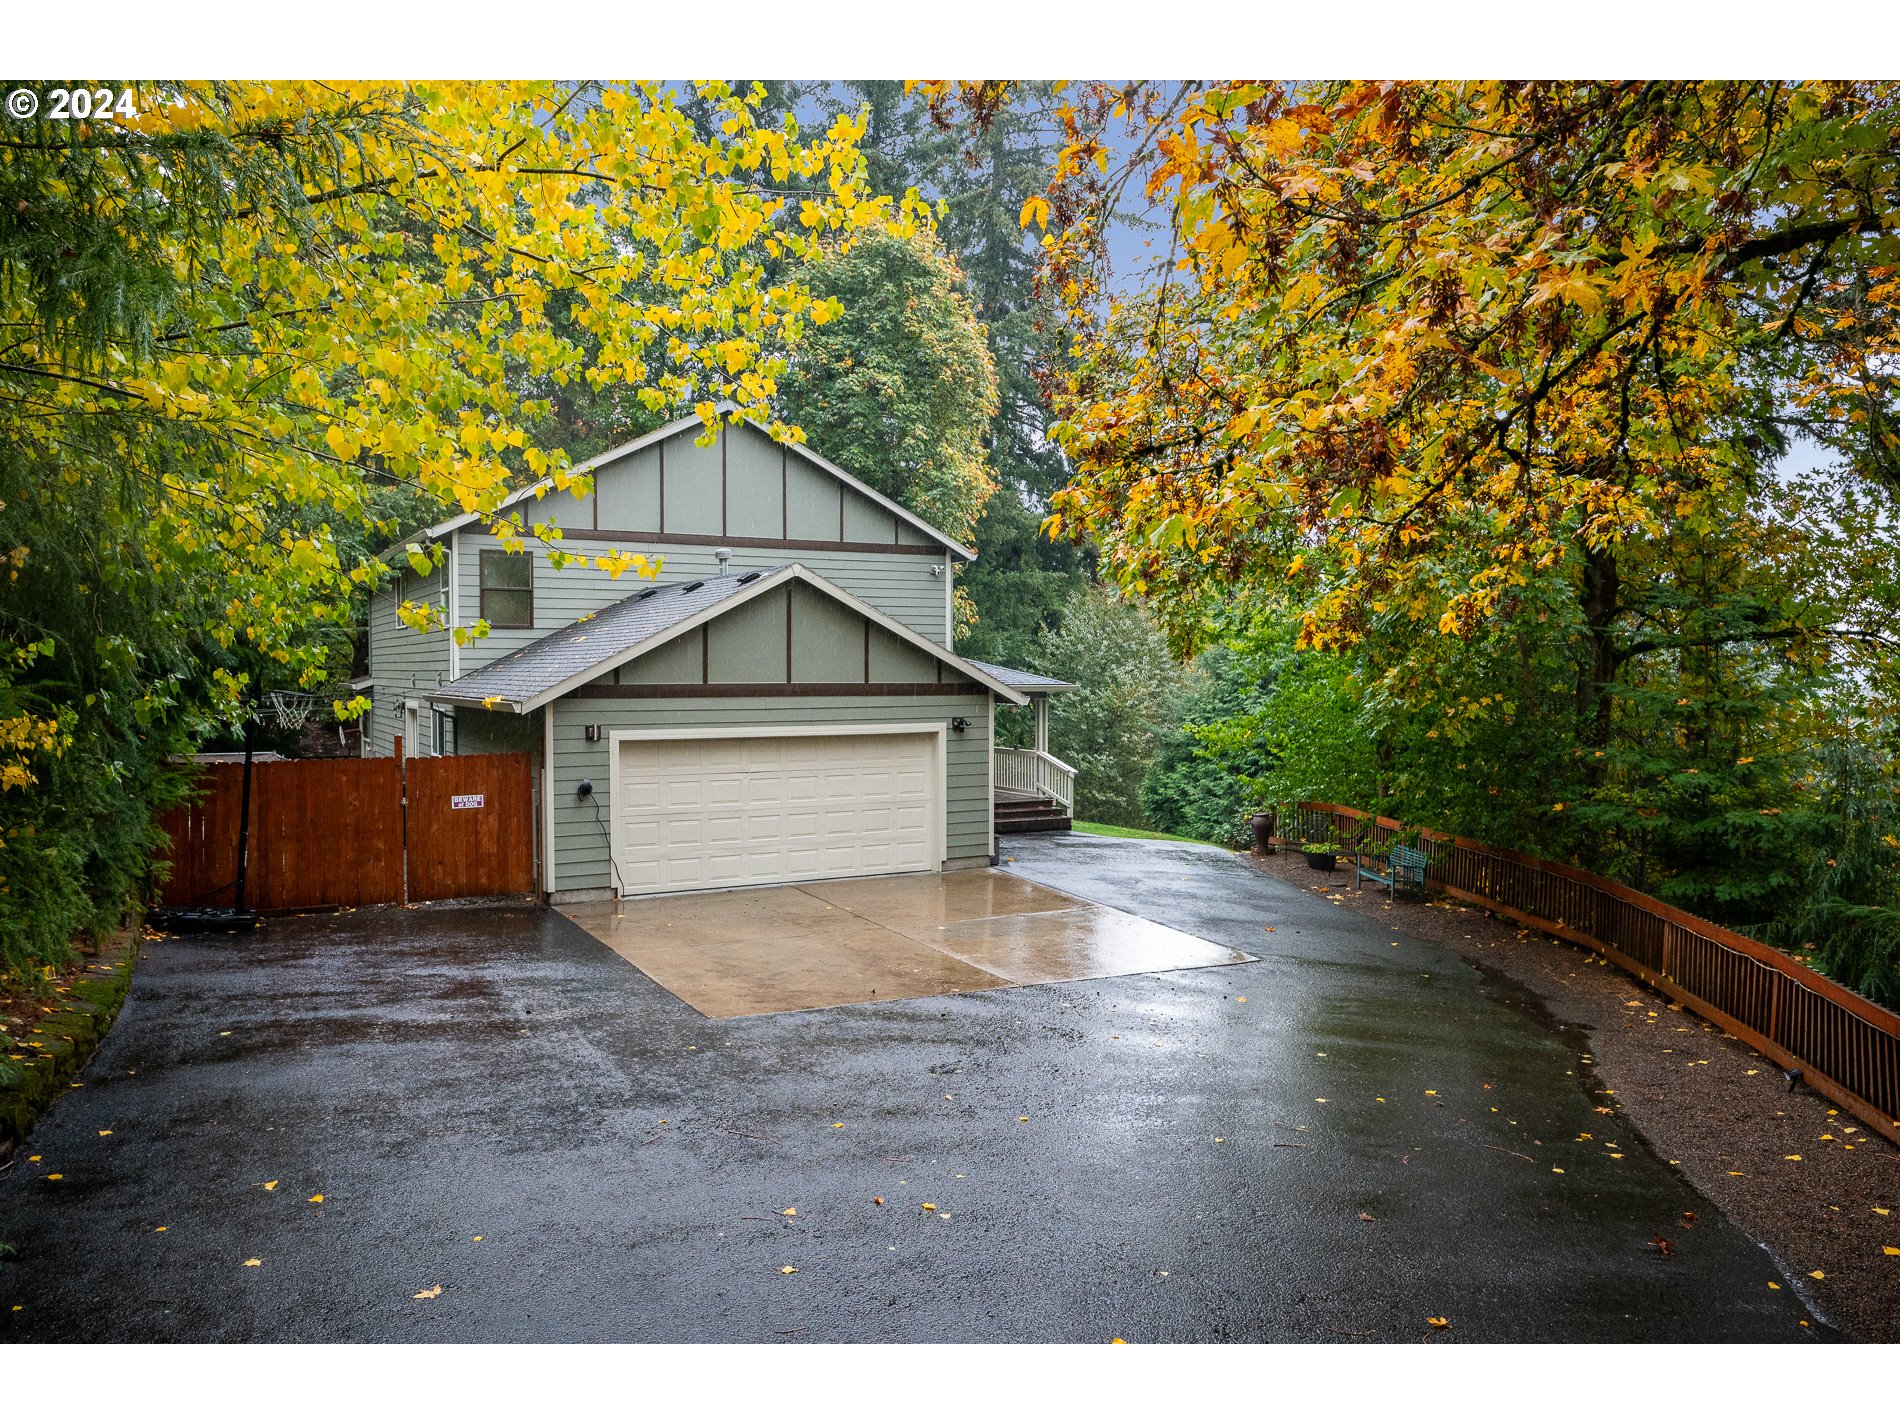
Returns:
<point x="1023" y="769"/>
<point x="1847" y="1047"/>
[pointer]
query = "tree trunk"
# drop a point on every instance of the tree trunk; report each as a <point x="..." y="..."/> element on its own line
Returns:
<point x="1600" y="597"/>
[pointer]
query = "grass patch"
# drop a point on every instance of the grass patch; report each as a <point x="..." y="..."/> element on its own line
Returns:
<point x="1096" y="828"/>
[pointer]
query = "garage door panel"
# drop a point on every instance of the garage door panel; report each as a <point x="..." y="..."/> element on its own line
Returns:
<point x="699" y="814"/>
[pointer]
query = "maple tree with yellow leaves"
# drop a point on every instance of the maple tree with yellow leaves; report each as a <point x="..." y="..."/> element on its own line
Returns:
<point x="237" y="316"/>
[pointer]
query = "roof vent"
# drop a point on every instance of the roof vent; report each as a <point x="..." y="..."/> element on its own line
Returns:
<point x="724" y="556"/>
<point x="748" y="578"/>
<point x="696" y="584"/>
<point x="647" y="593"/>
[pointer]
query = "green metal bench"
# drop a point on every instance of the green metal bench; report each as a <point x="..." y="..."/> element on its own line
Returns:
<point x="1404" y="866"/>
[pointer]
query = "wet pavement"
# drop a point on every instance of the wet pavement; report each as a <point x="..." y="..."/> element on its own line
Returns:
<point x="492" y="1102"/>
<point x="765" y="951"/>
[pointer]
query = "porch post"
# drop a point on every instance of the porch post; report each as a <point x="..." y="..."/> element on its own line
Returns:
<point x="1041" y="702"/>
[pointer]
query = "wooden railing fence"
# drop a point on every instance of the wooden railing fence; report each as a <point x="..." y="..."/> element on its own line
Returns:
<point x="1847" y="1047"/>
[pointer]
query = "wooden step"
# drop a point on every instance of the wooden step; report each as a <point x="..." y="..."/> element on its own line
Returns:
<point x="1025" y="813"/>
<point x="1057" y="822"/>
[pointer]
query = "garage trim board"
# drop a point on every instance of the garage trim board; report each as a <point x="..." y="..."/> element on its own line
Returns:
<point x="624" y="855"/>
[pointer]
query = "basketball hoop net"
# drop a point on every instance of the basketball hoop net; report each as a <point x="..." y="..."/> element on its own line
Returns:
<point x="293" y="710"/>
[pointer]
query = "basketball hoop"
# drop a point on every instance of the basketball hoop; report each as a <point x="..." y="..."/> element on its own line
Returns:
<point x="293" y="710"/>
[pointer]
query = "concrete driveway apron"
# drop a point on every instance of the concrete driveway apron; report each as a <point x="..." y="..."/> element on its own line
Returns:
<point x="730" y="953"/>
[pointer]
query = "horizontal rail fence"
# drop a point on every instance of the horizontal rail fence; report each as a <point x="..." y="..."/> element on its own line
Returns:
<point x="1847" y="1047"/>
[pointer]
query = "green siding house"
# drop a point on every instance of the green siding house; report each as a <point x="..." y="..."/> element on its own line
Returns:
<point x="783" y="703"/>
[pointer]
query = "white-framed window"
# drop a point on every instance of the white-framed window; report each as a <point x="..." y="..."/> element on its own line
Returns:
<point x="508" y="588"/>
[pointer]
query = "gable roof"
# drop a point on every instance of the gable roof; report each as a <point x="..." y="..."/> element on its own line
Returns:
<point x="1021" y="681"/>
<point x="686" y="423"/>
<point x="574" y="656"/>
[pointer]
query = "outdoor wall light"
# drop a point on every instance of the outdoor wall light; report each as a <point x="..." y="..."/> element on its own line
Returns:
<point x="959" y="724"/>
<point x="593" y="732"/>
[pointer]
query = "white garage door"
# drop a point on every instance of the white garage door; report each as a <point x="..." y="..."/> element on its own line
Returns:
<point x="746" y="811"/>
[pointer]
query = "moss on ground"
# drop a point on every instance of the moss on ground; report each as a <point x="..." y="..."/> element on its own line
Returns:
<point x="41" y="1063"/>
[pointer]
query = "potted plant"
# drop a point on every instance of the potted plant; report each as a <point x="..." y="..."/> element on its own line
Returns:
<point x="1264" y="825"/>
<point x="1322" y="855"/>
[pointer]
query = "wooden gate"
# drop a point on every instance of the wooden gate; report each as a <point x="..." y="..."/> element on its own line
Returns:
<point x="333" y="832"/>
<point x="471" y="826"/>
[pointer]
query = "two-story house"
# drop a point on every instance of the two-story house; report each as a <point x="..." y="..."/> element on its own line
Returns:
<point x="783" y="703"/>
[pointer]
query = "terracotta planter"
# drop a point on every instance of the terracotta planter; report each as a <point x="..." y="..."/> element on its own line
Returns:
<point x="1322" y="860"/>
<point x="1264" y="823"/>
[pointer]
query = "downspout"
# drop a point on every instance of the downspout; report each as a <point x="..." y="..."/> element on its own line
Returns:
<point x="454" y="601"/>
<point x="547" y="800"/>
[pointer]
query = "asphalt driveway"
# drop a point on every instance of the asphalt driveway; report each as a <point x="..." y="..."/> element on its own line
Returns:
<point x="1334" y="1142"/>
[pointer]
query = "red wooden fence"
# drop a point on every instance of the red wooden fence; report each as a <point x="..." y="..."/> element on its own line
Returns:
<point x="471" y="826"/>
<point x="1846" y="1047"/>
<point x="333" y="832"/>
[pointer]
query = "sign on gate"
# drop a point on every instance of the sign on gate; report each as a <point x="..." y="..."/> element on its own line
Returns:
<point x="332" y="831"/>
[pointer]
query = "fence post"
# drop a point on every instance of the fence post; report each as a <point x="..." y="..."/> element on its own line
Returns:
<point x="1774" y="1005"/>
<point x="1668" y="938"/>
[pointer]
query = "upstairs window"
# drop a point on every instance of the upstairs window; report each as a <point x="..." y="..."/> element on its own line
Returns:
<point x="507" y="589"/>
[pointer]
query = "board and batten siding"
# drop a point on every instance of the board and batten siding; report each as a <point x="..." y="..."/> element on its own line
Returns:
<point x="679" y="501"/>
<point x="404" y="663"/>
<point x="581" y="827"/>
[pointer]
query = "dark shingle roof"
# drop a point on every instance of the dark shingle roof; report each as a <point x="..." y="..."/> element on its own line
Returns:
<point x="548" y="662"/>
<point x="1019" y="680"/>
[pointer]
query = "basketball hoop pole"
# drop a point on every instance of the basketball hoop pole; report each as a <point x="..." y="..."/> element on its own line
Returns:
<point x="244" y="813"/>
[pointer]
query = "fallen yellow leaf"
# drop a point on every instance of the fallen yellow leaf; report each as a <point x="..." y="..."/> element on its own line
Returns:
<point x="930" y="1207"/>
<point x="105" y="1132"/>
<point x="1793" y="1158"/>
<point x="837" y="1125"/>
<point x="1891" y="1251"/>
<point x="1114" y="1341"/>
<point x="789" y="1212"/>
<point x="1774" y="1286"/>
<point x="477" y="1239"/>
<point x="430" y="1295"/>
<point x="787" y="1271"/>
<point x="1438" y="1323"/>
<point x="271" y="1186"/>
<point x="1556" y="1170"/>
<point x="55" y="1177"/>
<point x="255" y="1262"/>
<point x="1022" y="1118"/>
<point x="1882" y="1211"/>
<point x="1818" y="1276"/>
<point x="316" y="1197"/>
<point x="161" y="1229"/>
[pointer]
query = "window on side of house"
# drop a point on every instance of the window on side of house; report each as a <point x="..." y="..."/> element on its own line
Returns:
<point x="445" y="739"/>
<point x="507" y="589"/>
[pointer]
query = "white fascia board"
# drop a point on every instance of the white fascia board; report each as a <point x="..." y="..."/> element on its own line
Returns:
<point x="666" y="432"/>
<point x="865" y="490"/>
<point x="742" y="595"/>
<point x="916" y="640"/>
<point x="539" y="487"/>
